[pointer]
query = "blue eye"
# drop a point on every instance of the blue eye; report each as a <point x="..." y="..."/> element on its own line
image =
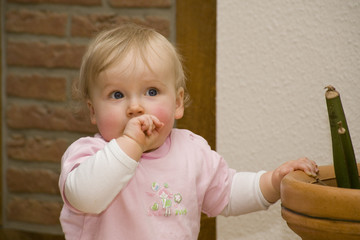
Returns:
<point x="152" y="92"/>
<point x="117" y="95"/>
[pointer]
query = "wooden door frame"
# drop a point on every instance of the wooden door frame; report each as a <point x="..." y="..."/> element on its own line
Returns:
<point x="196" y="41"/>
<point x="1" y="114"/>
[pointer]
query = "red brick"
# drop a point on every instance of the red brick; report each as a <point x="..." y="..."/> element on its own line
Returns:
<point x="34" y="211"/>
<point x="37" y="87"/>
<point x="140" y="3"/>
<point x="47" y="118"/>
<point x="41" y="36"/>
<point x="37" y="148"/>
<point x="70" y="2"/>
<point x="36" y="22"/>
<point x="159" y="24"/>
<point x="32" y="181"/>
<point x="88" y="25"/>
<point x="38" y="54"/>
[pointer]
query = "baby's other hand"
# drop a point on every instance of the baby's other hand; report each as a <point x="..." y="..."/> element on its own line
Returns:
<point x="304" y="164"/>
<point x="270" y="181"/>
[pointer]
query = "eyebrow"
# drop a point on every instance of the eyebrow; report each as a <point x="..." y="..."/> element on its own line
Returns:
<point x="154" y="80"/>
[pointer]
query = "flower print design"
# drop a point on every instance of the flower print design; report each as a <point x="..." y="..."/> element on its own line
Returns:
<point x="165" y="202"/>
<point x="155" y="186"/>
<point x="177" y="198"/>
<point x="155" y="207"/>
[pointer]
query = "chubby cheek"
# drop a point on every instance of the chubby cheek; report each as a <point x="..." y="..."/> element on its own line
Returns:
<point x="164" y="115"/>
<point x="110" y="126"/>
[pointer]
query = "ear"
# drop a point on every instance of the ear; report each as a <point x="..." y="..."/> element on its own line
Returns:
<point x="91" y="111"/>
<point x="179" y="111"/>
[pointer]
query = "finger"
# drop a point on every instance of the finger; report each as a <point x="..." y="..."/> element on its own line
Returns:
<point x="145" y="123"/>
<point x="307" y="166"/>
<point x="310" y="169"/>
<point x="157" y="122"/>
<point x="313" y="166"/>
<point x="150" y="125"/>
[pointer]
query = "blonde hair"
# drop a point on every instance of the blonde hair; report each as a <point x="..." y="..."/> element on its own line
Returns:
<point x="112" y="45"/>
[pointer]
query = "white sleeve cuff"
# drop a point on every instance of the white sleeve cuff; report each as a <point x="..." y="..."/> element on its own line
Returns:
<point x="93" y="185"/>
<point x="263" y="200"/>
<point x="246" y="195"/>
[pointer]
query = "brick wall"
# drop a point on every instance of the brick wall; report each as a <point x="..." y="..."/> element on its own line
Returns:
<point x="44" y="41"/>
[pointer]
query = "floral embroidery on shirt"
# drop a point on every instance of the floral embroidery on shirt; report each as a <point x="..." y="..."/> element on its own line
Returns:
<point x="165" y="203"/>
<point x="177" y="198"/>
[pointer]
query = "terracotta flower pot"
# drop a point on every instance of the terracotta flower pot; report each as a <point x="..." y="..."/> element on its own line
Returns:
<point x="316" y="211"/>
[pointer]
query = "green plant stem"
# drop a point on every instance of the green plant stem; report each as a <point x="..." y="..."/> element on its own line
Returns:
<point x="336" y="114"/>
<point x="349" y="156"/>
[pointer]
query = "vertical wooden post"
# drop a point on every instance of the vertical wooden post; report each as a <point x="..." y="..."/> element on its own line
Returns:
<point x="196" y="40"/>
<point x="1" y="117"/>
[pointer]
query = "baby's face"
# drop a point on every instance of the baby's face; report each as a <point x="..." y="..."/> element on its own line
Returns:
<point x="128" y="89"/>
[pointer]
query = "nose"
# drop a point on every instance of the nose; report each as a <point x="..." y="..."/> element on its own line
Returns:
<point x="134" y="110"/>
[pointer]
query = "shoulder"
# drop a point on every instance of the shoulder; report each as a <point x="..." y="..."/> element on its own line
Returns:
<point x="187" y="142"/>
<point x="189" y="137"/>
<point x="97" y="139"/>
<point x="84" y="146"/>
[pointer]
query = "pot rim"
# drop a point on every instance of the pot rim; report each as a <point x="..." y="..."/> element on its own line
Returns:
<point x="300" y="194"/>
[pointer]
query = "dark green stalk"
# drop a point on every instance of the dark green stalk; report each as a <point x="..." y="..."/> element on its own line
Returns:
<point x="349" y="156"/>
<point x="336" y="114"/>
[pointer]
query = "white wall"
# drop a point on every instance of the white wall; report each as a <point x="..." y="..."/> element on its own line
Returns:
<point x="274" y="59"/>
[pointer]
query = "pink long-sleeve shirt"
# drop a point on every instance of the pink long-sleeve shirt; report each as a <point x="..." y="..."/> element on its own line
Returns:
<point x="162" y="196"/>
